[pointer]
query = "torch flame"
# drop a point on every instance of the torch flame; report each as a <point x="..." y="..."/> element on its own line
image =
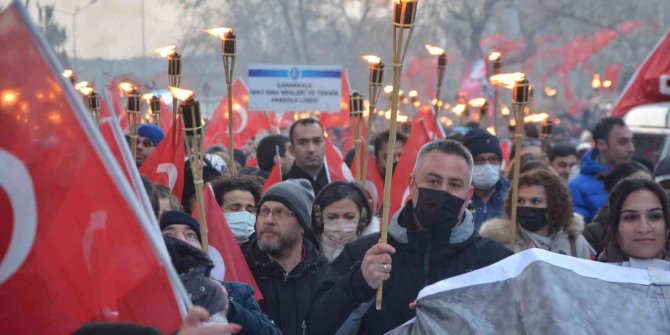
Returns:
<point x="388" y="89"/>
<point x="180" y="94"/>
<point x="80" y="85"/>
<point x="372" y="59"/>
<point x="413" y="94"/>
<point x="67" y="73"/>
<point x="165" y="51"/>
<point x="86" y="90"/>
<point x="550" y="92"/>
<point x="219" y="32"/>
<point x="458" y="109"/>
<point x="494" y="56"/>
<point x="434" y="51"/>
<point x="535" y="118"/>
<point x="595" y="82"/>
<point x="504" y="110"/>
<point x="607" y="84"/>
<point x="507" y="80"/>
<point x="127" y="87"/>
<point x="147" y="97"/>
<point x="477" y="102"/>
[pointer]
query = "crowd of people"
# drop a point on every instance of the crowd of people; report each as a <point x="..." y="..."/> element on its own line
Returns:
<point x="313" y="245"/>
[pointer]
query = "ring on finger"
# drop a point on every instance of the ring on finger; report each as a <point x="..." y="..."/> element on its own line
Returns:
<point x="386" y="267"/>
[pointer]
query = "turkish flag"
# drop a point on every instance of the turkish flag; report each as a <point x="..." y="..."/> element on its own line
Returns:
<point x="274" y="177"/>
<point x="418" y="136"/>
<point x="335" y="167"/>
<point x="221" y="239"/>
<point x="339" y="120"/>
<point x="651" y="82"/>
<point x="245" y="124"/>
<point x="116" y="96"/>
<point x="76" y="245"/>
<point x="165" y="117"/>
<point x="374" y="183"/>
<point x="114" y="143"/>
<point x="165" y="165"/>
<point x="426" y="113"/>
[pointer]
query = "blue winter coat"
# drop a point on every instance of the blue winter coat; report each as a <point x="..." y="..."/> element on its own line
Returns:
<point x="587" y="192"/>
<point x="243" y="310"/>
<point x="494" y="208"/>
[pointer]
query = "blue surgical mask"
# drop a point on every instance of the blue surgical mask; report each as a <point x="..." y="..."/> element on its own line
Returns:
<point x="241" y="223"/>
<point x="485" y="177"/>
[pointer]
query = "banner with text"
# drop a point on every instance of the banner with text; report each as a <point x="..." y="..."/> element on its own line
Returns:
<point x="295" y="88"/>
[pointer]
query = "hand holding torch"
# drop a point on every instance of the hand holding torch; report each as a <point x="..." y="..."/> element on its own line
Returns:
<point x="404" y="14"/>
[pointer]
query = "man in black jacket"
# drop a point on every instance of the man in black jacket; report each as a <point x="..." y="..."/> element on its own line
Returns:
<point x="308" y="146"/>
<point x="284" y="257"/>
<point x="430" y="239"/>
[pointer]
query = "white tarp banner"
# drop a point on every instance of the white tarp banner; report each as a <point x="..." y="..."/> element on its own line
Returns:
<point x="539" y="292"/>
<point x="294" y="88"/>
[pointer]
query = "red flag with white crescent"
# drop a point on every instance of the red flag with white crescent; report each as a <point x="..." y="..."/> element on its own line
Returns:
<point x="335" y="167"/>
<point x="651" y="82"/>
<point x="245" y="124"/>
<point x="274" y="177"/>
<point x="165" y="165"/>
<point x="221" y="238"/>
<point x="114" y="142"/>
<point x="418" y="136"/>
<point x="76" y="245"/>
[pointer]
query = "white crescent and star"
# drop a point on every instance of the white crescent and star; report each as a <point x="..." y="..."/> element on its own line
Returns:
<point x="18" y="185"/>
<point x="170" y="170"/>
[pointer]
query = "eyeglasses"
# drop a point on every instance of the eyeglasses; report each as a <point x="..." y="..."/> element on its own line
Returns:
<point x="276" y="213"/>
<point x="493" y="160"/>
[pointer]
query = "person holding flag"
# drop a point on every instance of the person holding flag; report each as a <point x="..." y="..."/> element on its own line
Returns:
<point x="236" y="300"/>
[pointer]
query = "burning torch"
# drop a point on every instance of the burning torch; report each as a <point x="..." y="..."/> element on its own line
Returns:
<point x="133" y="111"/>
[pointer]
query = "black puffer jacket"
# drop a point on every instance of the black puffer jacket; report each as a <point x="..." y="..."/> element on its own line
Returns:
<point x="287" y="296"/>
<point x="345" y="302"/>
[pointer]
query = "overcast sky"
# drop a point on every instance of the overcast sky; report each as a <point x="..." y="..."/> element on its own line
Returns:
<point x="112" y="28"/>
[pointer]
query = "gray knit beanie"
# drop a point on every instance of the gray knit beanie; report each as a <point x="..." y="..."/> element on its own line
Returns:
<point x="297" y="195"/>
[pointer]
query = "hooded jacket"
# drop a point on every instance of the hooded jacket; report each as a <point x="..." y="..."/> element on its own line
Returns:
<point x="498" y="229"/>
<point x="494" y="207"/>
<point x="287" y="296"/>
<point x="193" y="267"/>
<point x="587" y="192"/>
<point x="344" y="301"/>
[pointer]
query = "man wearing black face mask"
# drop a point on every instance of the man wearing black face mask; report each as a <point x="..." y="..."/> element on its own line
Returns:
<point x="431" y="238"/>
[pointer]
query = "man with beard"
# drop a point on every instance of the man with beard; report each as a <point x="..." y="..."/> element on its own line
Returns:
<point x="308" y="146"/>
<point x="431" y="238"/>
<point x="284" y="257"/>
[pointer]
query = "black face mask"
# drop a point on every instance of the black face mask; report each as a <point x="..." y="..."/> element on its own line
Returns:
<point x="531" y="219"/>
<point x="437" y="210"/>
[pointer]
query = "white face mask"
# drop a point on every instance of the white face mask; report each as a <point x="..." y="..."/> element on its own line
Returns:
<point x="340" y="231"/>
<point x="485" y="177"/>
<point x="241" y="223"/>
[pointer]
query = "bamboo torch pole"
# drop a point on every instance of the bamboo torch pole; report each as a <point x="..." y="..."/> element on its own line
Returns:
<point x="519" y="100"/>
<point x="441" y="67"/>
<point x="191" y="118"/>
<point x="404" y="14"/>
<point x="374" y="88"/>
<point x="356" y="115"/>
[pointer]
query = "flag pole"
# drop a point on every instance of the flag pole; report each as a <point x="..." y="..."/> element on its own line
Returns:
<point x="374" y="89"/>
<point x="356" y="116"/>
<point x="519" y="100"/>
<point x="404" y="14"/>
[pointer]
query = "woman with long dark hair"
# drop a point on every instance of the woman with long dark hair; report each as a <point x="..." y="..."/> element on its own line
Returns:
<point x="638" y="220"/>
<point x="545" y="218"/>
<point x="340" y="214"/>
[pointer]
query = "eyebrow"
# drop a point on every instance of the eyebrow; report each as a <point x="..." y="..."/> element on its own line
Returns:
<point x="635" y="211"/>
<point x="435" y="175"/>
